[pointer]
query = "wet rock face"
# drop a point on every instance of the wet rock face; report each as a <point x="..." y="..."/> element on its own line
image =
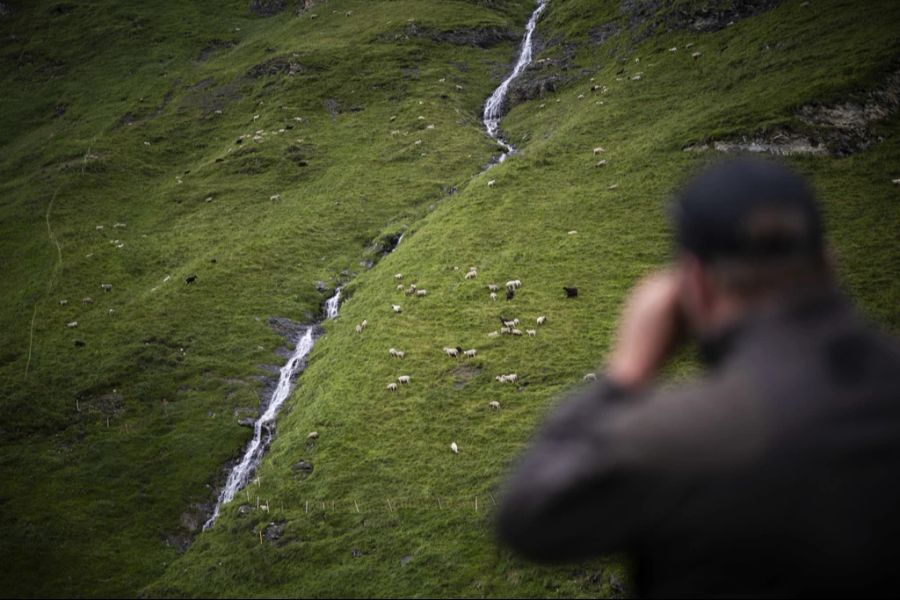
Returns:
<point x="824" y="129"/>
<point x="486" y="37"/>
<point x="266" y="8"/>
<point x="302" y="468"/>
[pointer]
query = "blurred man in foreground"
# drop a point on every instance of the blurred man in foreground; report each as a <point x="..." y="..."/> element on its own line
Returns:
<point x="775" y="474"/>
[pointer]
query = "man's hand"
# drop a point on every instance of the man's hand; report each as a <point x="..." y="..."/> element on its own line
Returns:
<point x="648" y="329"/>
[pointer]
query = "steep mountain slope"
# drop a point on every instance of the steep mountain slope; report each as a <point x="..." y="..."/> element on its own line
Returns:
<point x="110" y="448"/>
<point x="146" y="115"/>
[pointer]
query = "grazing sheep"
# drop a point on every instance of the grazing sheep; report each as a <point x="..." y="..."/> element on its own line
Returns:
<point x="403" y="379"/>
<point x="392" y="352"/>
<point x="493" y="296"/>
<point x="120" y="225"/>
<point x="190" y="279"/>
<point x="896" y="181"/>
<point x="571" y="292"/>
<point x="106" y="287"/>
<point x="392" y="387"/>
<point x="493" y="334"/>
<point x="589" y="377"/>
<point x="673" y="49"/>
<point x="111" y="311"/>
<point x="531" y="332"/>
<point x="99" y="227"/>
<point x="505" y="329"/>
<point x="494" y="405"/>
<point x="87" y="300"/>
<point x="493" y="287"/>
<point x="396" y="308"/>
<point x="471" y="274"/>
<point x="601" y="163"/>
<point x="400" y="287"/>
<point x="313" y="435"/>
<point x="398" y="276"/>
<point x="459" y="88"/>
<point x="510" y="294"/>
<point x="573" y="232"/>
<point x="513" y="284"/>
<point x="401" y="354"/>
<point x="359" y="329"/>
<point x="365" y="323"/>
<point x="453" y="447"/>
<point x="72" y="324"/>
<point x="541" y="320"/>
<point x="470" y="353"/>
<point x="516" y="332"/>
<point x="452" y="352"/>
<point x="492" y="183"/>
<point x="63" y="302"/>
<point x="512" y="378"/>
<point x="696" y="55"/>
<point x="421" y="293"/>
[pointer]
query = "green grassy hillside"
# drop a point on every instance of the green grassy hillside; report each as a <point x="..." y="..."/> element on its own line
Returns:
<point x="264" y="155"/>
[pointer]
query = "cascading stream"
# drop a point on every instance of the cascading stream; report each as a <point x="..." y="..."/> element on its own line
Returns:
<point x="264" y="428"/>
<point x="493" y="108"/>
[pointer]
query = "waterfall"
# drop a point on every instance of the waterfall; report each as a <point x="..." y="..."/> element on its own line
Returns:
<point x="494" y="106"/>
<point x="264" y="428"/>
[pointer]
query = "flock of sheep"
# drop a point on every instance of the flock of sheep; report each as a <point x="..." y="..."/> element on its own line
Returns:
<point x="508" y="327"/>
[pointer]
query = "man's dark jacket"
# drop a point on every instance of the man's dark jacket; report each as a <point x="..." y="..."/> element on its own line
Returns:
<point x="776" y="474"/>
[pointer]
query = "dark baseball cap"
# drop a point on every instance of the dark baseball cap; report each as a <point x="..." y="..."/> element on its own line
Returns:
<point x="750" y="209"/>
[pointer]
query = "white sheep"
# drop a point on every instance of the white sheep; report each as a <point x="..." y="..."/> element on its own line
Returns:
<point x="541" y="320"/>
<point x="494" y="296"/>
<point x="531" y="332"/>
<point x="392" y="352"/>
<point x="589" y="377"/>
<point x="494" y="405"/>
<point x="452" y="352"/>
<point x="63" y="302"/>
<point x="87" y="300"/>
<point x="365" y="323"/>
<point x="516" y="332"/>
<point x="696" y="55"/>
<point x="401" y="354"/>
<point x="421" y="293"/>
<point x="359" y="329"/>
<point x="505" y="329"/>
<point x="513" y="284"/>
<point x="392" y="387"/>
<point x="398" y="276"/>
<point x="106" y="287"/>
<point x="403" y="379"/>
<point x="313" y="435"/>
<point x="601" y="163"/>
<point x="72" y="324"/>
<point x="493" y="287"/>
<point x="512" y="378"/>
<point x="471" y="274"/>
<point x="396" y="308"/>
<point x="493" y="334"/>
<point x="454" y="448"/>
<point x="400" y="287"/>
<point x="492" y="183"/>
<point x="470" y="353"/>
